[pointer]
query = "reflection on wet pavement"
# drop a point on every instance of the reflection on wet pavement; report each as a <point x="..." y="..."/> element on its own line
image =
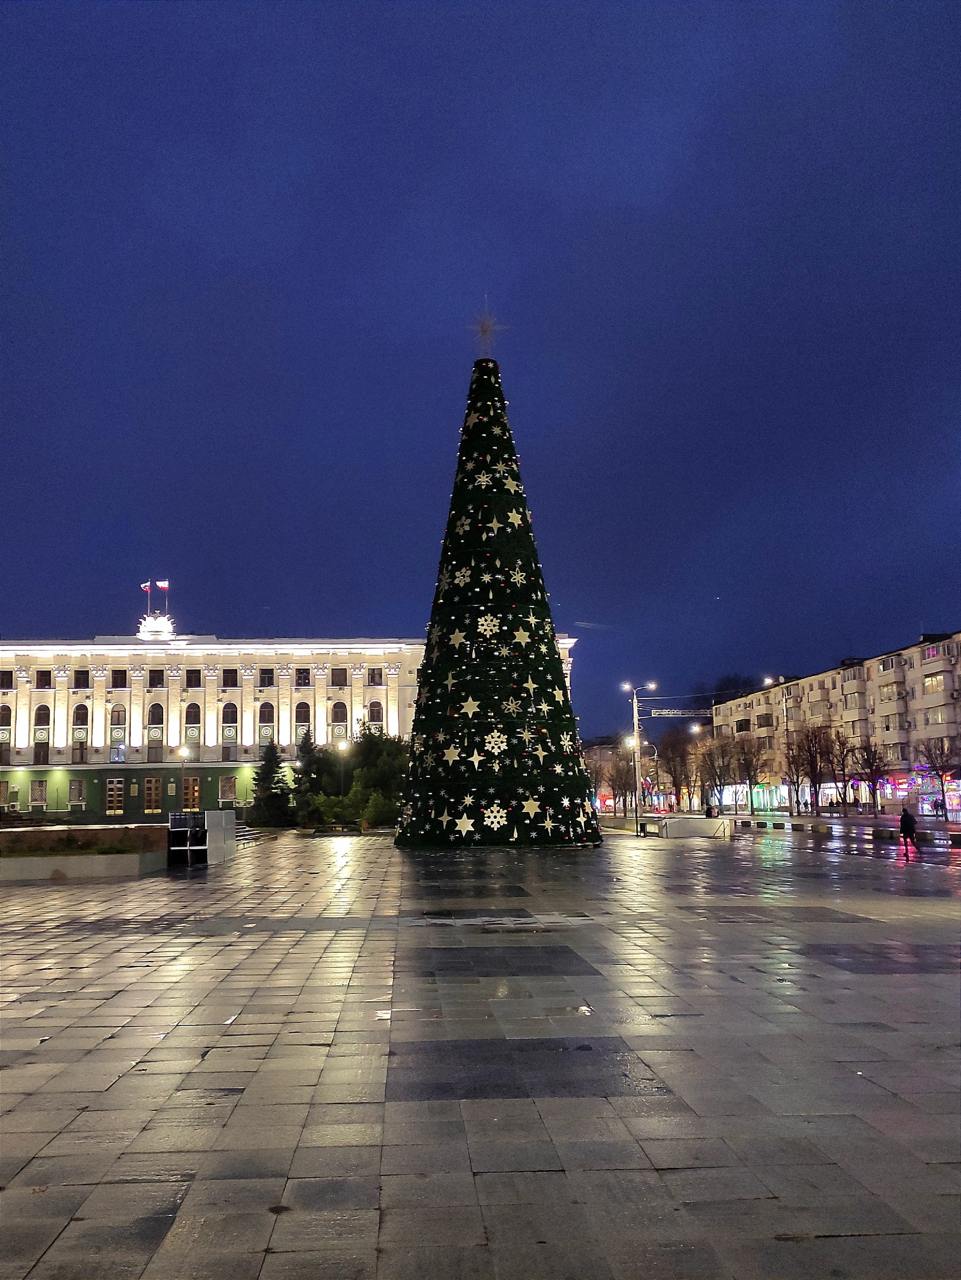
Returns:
<point x="329" y="1058"/>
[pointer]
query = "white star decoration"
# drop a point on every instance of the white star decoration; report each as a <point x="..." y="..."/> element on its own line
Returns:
<point x="469" y="707"/>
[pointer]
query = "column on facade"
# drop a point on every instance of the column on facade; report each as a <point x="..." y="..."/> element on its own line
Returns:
<point x="135" y="680"/>
<point x="98" y="713"/>
<point x="321" y="732"/>
<point x="173" y="681"/>
<point x="392" y="672"/>
<point x="61" y="708"/>
<point x="248" y="710"/>
<point x="284" y="732"/>
<point x="22" y="737"/>
<point x="356" y="712"/>
<point x="211" y="705"/>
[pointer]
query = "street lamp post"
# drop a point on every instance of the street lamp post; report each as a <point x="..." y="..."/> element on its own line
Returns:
<point x="342" y="748"/>
<point x="768" y="681"/>
<point x="634" y="690"/>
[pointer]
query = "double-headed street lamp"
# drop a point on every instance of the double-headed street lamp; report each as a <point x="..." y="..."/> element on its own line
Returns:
<point x="768" y="682"/>
<point x="635" y="692"/>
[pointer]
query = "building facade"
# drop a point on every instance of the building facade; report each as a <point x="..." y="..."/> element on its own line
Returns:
<point x="131" y="728"/>
<point x="897" y="699"/>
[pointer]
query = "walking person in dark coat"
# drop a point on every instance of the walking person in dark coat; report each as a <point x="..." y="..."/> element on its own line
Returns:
<point x="908" y="827"/>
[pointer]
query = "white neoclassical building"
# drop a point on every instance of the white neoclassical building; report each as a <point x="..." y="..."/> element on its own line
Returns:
<point x="132" y="726"/>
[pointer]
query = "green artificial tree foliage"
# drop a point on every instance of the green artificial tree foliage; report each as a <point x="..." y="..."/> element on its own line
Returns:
<point x="494" y="756"/>
<point x="271" y="806"/>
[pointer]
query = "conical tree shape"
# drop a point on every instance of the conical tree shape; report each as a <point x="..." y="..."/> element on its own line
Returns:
<point x="495" y="756"/>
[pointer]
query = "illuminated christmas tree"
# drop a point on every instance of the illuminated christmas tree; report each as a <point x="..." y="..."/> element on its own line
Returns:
<point x="495" y="756"/>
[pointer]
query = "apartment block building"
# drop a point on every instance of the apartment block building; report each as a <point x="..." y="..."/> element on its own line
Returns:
<point x="897" y="699"/>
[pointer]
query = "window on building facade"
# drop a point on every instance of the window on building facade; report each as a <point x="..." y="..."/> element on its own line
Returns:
<point x="338" y="677"/>
<point x="266" y="680"/>
<point x="81" y="715"/>
<point x="4" y="793"/>
<point x="118" y="717"/>
<point x="113" y="796"/>
<point x="228" y="731"/>
<point x="194" y="678"/>
<point x="192" y="715"/>
<point x="191" y="793"/>
<point x="742" y="726"/>
<point x="765" y="721"/>
<point x="118" y="754"/>
<point x="155" y="752"/>
<point x="43" y="680"/>
<point x="155" y="678"/>
<point x="41" y="717"/>
<point x="887" y="664"/>
<point x="852" y="673"/>
<point x="38" y="791"/>
<point x="81" y="678"/>
<point x="118" y="678"/>
<point x="152" y="795"/>
<point x="77" y="791"/>
<point x="933" y="684"/>
<point x="930" y="651"/>
<point x="890" y="692"/>
<point x="937" y="715"/>
<point x="227" y="788"/>
<point x="266" y="713"/>
<point x="41" y="753"/>
<point x="375" y="713"/>
<point x="338" y="713"/>
<point x="302" y="678"/>
<point x="155" y="714"/>
<point x="301" y="719"/>
<point x="6" y="679"/>
<point x="229" y="678"/>
<point x="375" y="676"/>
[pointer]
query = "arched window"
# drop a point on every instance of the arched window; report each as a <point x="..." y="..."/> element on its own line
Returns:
<point x="41" y="717"/>
<point x="338" y="713"/>
<point x="192" y="714"/>
<point x="81" y="716"/>
<point x="375" y="713"/>
<point x="5" y="717"/>
<point x="230" y="713"/>
<point x="118" y="717"/>
<point x="266" y="715"/>
<point x="302" y="716"/>
<point x="155" y="715"/>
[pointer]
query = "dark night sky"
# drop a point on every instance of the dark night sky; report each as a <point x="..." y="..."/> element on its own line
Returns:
<point x="243" y="244"/>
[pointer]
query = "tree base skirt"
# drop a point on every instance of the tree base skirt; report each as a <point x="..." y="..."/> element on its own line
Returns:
<point x="432" y="846"/>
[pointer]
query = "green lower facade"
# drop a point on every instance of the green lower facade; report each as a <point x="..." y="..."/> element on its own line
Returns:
<point x="126" y="793"/>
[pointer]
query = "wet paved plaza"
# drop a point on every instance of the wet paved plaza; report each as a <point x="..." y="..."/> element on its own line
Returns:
<point x="331" y="1059"/>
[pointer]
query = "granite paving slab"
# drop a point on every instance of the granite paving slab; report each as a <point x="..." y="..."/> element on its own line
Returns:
<point x="329" y="1058"/>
